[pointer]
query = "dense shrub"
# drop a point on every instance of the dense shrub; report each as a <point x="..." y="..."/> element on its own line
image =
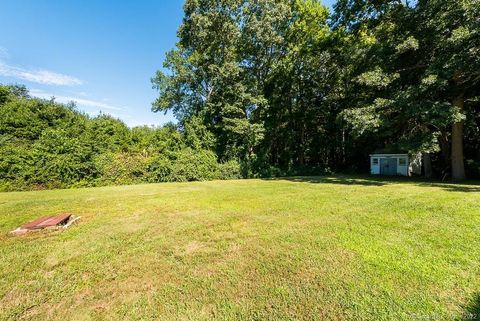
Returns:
<point x="15" y="160"/>
<point x="44" y="144"/>
<point x="60" y="159"/>
<point x="194" y="165"/>
<point x="159" y="169"/>
<point x="229" y="170"/>
<point x="122" y="168"/>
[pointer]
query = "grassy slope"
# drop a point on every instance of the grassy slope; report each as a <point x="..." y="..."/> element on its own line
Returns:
<point x="333" y="248"/>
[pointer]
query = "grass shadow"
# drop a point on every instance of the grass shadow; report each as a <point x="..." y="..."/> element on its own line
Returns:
<point x="338" y="179"/>
<point x="365" y="180"/>
<point x="464" y="187"/>
<point x="472" y="312"/>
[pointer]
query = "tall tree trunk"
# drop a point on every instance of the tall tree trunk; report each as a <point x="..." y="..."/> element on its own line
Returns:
<point x="458" y="166"/>
<point x="427" y="165"/>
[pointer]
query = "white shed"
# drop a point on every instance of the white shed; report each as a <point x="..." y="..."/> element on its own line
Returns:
<point x="391" y="164"/>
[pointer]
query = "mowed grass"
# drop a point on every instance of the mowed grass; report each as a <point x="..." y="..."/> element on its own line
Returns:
<point x="333" y="248"/>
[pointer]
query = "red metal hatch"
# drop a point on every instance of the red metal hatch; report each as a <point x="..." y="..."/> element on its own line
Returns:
<point x="48" y="221"/>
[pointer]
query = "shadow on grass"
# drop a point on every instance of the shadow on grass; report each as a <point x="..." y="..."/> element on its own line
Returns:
<point x="382" y="181"/>
<point x="464" y="187"/>
<point x="342" y="180"/>
<point x="472" y="312"/>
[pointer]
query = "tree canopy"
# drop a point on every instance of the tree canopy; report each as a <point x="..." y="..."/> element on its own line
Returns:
<point x="273" y="87"/>
<point x="288" y="84"/>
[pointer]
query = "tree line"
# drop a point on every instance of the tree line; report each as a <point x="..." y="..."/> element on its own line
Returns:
<point x="287" y="85"/>
<point x="45" y="144"/>
<point x="266" y="88"/>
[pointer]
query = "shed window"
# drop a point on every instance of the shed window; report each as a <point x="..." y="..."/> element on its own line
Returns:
<point x="402" y="161"/>
<point x="375" y="161"/>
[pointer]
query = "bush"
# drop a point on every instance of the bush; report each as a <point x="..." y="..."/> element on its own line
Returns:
<point x="255" y="167"/>
<point x="44" y="144"/>
<point x="159" y="169"/>
<point x="15" y="185"/>
<point x="60" y="160"/>
<point x="194" y="165"/>
<point x="229" y="170"/>
<point x="122" y="168"/>
<point x="15" y="159"/>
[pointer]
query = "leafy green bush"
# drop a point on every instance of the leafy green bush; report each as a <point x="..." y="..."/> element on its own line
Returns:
<point x="44" y="144"/>
<point x="15" y="160"/>
<point x="257" y="167"/>
<point x="122" y="168"/>
<point x="194" y="165"/>
<point x="15" y="185"/>
<point x="159" y="169"/>
<point x="229" y="170"/>
<point x="61" y="160"/>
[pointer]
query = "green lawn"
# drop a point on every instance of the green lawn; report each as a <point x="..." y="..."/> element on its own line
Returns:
<point x="333" y="248"/>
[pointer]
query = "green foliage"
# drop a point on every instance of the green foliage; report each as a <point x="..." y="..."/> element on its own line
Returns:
<point x="58" y="158"/>
<point x="197" y="136"/>
<point x="281" y="88"/>
<point x="122" y="168"/>
<point x="108" y="134"/>
<point x="230" y="170"/>
<point x="193" y="165"/>
<point x="422" y="61"/>
<point x="44" y="144"/>
<point x="268" y="88"/>
<point x="264" y="86"/>
<point x="283" y="85"/>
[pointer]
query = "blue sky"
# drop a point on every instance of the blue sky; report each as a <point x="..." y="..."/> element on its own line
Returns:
<point x="100" y="54"/>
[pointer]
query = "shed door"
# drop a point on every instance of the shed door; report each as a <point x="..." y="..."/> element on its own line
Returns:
<point x="388" y="166"/>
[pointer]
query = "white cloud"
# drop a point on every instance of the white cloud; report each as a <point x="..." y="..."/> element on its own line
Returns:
<point x="93" y="107"/>
<point x="82" y="102"/>
<point x="39" y="76"/>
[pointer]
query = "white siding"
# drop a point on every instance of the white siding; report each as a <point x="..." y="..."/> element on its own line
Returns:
<point x="374" y="166"/>
<point x="403" y="163"/>
<point x="403" y="168"/>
